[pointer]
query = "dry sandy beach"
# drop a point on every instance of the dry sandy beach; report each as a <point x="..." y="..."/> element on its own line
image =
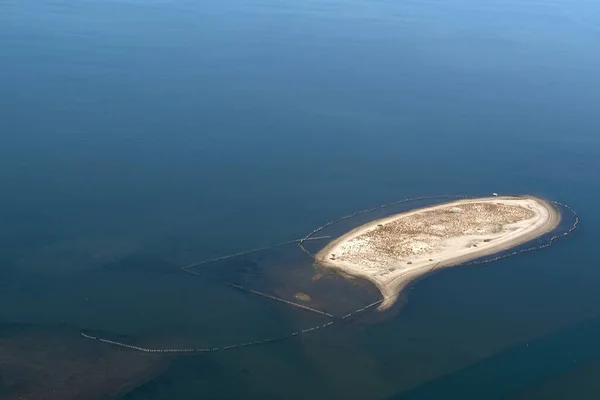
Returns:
<point x="393" y="251"/>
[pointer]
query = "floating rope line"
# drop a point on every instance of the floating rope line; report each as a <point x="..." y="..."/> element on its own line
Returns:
<point x="208" y="349"/>
<point x="187" y="267"/>
<point x="291" y="303"/>
<point x="362" y="310"/>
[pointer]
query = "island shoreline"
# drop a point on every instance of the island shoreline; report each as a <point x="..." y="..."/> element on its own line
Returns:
<point x="390" y="288"/>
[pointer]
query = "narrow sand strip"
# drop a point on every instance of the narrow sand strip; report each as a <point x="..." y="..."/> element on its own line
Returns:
<point x="393" y="251"/>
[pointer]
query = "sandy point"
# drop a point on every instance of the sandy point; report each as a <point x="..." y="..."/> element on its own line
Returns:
<point x="393" y="251"/>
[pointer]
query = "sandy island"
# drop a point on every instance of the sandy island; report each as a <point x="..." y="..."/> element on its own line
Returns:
<point x="393" y="251"/>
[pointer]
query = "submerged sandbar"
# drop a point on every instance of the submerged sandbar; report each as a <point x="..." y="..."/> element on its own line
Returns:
<point x="395" y="250"/>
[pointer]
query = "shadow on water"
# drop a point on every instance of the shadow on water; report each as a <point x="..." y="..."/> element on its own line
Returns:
<point x="511" y="371"/>
<point x="50" y="361"/>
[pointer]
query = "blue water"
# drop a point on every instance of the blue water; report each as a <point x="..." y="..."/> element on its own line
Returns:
<point x="138" y="136"/>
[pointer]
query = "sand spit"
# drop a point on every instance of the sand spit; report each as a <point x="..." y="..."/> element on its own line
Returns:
<point x="393" y="251"/>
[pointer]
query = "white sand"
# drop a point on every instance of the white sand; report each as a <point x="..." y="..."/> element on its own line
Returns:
<point x="393" y="251"/>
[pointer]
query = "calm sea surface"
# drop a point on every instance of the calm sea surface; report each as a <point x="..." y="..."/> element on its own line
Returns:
<point x="140" y="136"/>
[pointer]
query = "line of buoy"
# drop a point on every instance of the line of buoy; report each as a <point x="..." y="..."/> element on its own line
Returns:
<point x="187" y="267"/>
<point x="362" y="310"/>
<point x="291" y="303"/>
<point x="203" y="350"/>
<point x="190" y="271"/>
